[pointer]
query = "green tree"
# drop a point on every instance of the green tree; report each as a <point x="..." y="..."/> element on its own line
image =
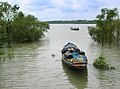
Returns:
<point x="7" y="13"/>
<point x="28" y="28"/>
<point x="18" y="26"/>
<point x="116" y="25"/>
<point x="104" y="32"/>
<point x="15" y="27"/>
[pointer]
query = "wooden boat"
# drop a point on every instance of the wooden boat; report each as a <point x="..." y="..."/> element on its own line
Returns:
<point x="76" y="29"/>
<point x="73" y="57"/>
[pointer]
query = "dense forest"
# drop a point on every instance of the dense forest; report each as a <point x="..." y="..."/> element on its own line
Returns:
<point x="107" y="29"/>
<point x="73" y="22"/>
<point x="15" y="27"/>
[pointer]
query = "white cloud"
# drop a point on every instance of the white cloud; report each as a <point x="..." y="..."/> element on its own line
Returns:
<point x="64" y="9"/>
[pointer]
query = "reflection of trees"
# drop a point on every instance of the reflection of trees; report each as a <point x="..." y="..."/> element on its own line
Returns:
<point x="6" y="53"/>
<point x="78" y="78"/>
<point x="24" y="50"/>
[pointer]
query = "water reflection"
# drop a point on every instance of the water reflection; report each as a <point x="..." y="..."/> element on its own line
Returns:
<point x="33" y="67"/>
<point x="78" y="78"/>
<point x="6" y="54"/>
<point x="22" y="70"/>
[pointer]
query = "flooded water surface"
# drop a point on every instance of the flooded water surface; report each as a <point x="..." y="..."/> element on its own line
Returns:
<point x="33" y="66"/>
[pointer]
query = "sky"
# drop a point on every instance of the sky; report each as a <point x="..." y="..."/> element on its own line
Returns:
<point x="49" y="10"/>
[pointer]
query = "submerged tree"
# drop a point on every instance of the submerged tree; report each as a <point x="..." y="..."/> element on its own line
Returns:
<point x="7" y="13"/>
<point x="28" y="28"/>
<point x="116" y="25"/>
<point x="101" y="63"/>
<point x="105" y="30"/>
<point x="15" y="27"/>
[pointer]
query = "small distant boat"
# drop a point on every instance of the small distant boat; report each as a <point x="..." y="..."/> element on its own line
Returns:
<point x="53" y="55"/>
<point x="72" y="28"/>
<point x="73" y="57"/>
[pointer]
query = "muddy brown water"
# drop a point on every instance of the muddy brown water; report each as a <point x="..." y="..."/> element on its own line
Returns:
<point x="33" y="66"/>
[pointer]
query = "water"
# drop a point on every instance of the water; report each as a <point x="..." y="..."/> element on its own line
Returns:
<point x="33" y="66"/>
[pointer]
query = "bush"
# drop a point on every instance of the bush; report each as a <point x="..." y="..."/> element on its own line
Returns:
<point x="100" y="63"/>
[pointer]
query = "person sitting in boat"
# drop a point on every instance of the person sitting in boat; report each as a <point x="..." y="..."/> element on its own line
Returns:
<point x="71" y="50"/>
<point x="69" y="56"/>
<point x="67" y="53"/>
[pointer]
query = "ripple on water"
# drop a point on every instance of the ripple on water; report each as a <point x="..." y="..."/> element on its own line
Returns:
<point x="33" y="66"/>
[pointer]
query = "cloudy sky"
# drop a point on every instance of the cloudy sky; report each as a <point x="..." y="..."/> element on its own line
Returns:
<point x="64" y="9"/>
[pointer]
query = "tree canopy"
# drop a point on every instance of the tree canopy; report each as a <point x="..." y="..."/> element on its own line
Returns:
<point x="15" y="27"/>
<point x="107" y="29"/>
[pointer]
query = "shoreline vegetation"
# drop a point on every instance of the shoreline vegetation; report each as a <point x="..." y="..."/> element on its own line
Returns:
<point x="72" y="22"/>
<point x="107" y="29"/>
<point x="16" y="27"/>
<point x="106" y="32"/>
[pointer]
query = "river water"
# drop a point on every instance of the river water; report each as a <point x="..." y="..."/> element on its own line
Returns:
<point x="33" y="66"/>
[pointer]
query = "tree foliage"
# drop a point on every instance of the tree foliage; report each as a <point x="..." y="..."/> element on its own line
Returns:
<point x="101" y="63"/>
<point x="107" y="27"/>
<point x="7" y="13"/>
<point x="15" y="27"/>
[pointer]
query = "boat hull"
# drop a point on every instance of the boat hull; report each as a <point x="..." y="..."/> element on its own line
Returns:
<point x="78" y="66"/>
<point x="76" y="29"/>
